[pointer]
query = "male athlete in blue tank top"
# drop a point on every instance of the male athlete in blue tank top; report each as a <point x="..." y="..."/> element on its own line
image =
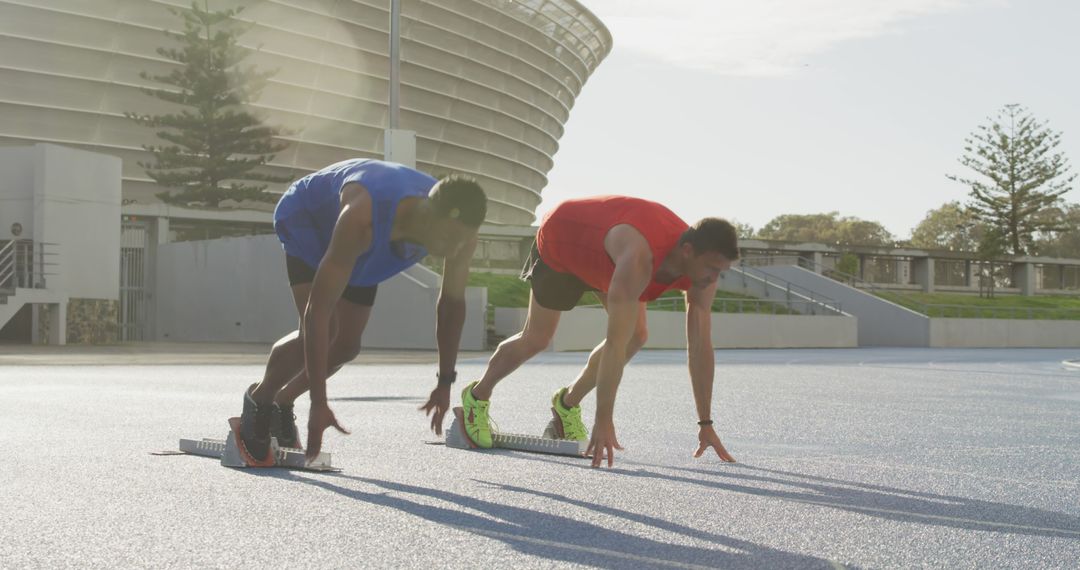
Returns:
<point x="345" y="229"/>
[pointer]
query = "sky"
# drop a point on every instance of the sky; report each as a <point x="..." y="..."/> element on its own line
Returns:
<point x="752" y="109"/>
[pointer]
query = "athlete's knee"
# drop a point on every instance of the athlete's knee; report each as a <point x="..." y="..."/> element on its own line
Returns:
<point x="286" y="348"/>
<point x="288" y="341"/>
<point x="332" y="328"/>
<point x="535" y="342"/>
<point x="344" y="350"/>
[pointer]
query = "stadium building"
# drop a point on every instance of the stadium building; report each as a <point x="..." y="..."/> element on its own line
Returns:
<point x="486" y="85"/>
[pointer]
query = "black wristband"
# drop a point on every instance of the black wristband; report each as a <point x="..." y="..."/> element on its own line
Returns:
<point x="704" y="423"/>
<point x="446" y="379"/>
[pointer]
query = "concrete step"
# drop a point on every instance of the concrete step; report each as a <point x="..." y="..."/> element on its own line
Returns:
<point x="758" y="284"/>
<point x="12" y="301"/>
<point x="7" y="312"/>
<point x="881" y="322"/>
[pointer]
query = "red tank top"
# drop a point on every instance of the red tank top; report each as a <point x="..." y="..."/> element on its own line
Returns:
<point x="571" y="238"/>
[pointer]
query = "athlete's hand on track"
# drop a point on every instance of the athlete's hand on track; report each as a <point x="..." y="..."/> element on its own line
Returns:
<point x="603" y="441"/>
<point x="707" y="438"/>
<point x="320" y="418"/>
<point x="436" y="406"/>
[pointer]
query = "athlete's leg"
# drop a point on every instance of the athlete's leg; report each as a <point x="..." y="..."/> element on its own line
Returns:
<point x="287" y="355"/>
<point x="352" y="319"/>
<point x="586" y="380"/>
<point x="259" y="413"/>
<point x="540" y="325"/>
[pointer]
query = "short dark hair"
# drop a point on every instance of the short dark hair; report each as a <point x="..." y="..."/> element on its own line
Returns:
<point x="713" y="235"/>
<point x="461" y="198"/>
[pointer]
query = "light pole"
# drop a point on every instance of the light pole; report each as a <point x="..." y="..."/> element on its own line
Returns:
<point x="398" y="145"/>
<point x="395" y="61"/>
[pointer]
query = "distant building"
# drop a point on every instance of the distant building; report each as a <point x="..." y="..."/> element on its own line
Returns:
<point x="487" y="85"/>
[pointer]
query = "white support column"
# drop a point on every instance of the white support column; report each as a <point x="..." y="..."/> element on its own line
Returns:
<point x="55" y="321"/>
<point x="1024" y="277"/>
<point x="35" y="324"/>
<point x="161" y="230"/>
<point x="923" y="267"/>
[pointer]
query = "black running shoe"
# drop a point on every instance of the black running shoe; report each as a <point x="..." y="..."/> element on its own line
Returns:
<point x="283" y="426"/>
<point x="255" y="428"/>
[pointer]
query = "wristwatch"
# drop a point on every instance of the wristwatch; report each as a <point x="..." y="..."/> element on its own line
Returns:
<point x="447" y="379"/>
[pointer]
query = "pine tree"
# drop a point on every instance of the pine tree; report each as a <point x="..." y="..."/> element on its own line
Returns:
<point x="1022" y="176"/>
<point x="216" y="142"/>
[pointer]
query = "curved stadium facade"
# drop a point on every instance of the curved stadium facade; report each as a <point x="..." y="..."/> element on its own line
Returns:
<point x="486" y="84"/>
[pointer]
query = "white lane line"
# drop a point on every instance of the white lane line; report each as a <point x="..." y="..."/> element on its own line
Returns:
<point x="991" y="525"/>
<point x="586" y="549"/>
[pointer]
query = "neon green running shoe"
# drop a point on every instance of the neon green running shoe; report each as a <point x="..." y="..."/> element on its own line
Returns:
<point x="477" y="423"/>
<point x="568" y="424"/>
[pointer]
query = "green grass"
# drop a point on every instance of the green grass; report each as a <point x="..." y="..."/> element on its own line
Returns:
<point x="724" y="302"/>
<point x="511" y="291"/>
<point x="503" y="290"/>
<point x="1000" y="307"/>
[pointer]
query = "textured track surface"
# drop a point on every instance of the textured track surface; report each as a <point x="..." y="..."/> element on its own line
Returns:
<point x="860" y="458"/>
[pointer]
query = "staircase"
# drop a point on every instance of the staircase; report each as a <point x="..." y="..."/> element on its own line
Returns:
<point x="22" y="277"/>
<point x="748" y="280"/>
<point x="881" y="322"/>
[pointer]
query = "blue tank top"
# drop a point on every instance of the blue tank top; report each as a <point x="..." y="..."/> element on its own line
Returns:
<point x="306" y="214"/>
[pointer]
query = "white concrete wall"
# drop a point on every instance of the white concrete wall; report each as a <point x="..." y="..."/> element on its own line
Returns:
<point x="784" y="331"/>
<point x="77" y="207"/>
<point x="236" y="290"/>
<point x="509" y="321"/>
<point x="1004" y="333"/>
<point x="17" y="191"/>
<point x="69" y="200"/>
<point x="584" y="328"/>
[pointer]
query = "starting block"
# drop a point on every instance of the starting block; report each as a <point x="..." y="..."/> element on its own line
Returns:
<point x="229" y="453"/>
<point x="456" y="437"/>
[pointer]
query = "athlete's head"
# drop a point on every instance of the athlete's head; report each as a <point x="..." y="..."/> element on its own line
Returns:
<point x="459" y="206"/>
<point x="709" y="248"/>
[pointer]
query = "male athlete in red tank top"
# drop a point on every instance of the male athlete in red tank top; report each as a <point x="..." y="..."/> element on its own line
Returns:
<point x="630" y="251"/>
<point x="571" y="238"/>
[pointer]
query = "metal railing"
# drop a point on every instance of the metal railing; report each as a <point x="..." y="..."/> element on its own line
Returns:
<point x="24" y="263"/>
<point x="845" y="278"/>
<point x="736" y="305"/>
<point x="792" y="293"/>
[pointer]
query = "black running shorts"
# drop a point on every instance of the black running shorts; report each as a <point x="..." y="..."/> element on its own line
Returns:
<point x="300" y="273"/>
<point x="551" y="289"/>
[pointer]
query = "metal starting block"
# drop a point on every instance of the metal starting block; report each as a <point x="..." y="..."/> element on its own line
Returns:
<point x="456" y="437"/>
<point x="229" y="454"/>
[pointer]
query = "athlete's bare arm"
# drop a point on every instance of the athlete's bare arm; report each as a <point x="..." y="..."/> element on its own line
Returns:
<point x="449" y="321"/>
<point x="699" y="353"/>
<point x="352" y="236"/>
<point x="633" y="271"/>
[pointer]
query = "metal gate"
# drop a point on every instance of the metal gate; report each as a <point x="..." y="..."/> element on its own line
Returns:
<point x="134" y="306"/>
